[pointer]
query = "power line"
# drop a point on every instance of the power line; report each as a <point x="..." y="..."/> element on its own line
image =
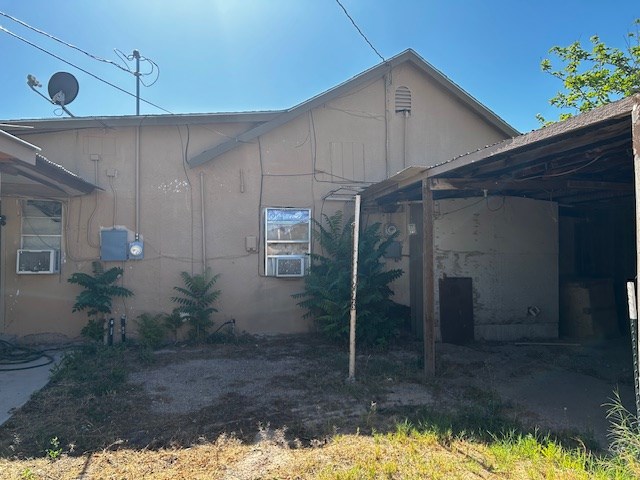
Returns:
<point x="154" y="66"/>
<point x="52" y="37"/>
<point x="22" y="39"/>
<point x="360" y="31"/>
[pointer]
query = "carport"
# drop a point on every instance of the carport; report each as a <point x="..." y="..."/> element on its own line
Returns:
<point x="580" y="170"/>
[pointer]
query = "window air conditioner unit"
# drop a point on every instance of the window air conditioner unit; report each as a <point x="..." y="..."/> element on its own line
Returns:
<point x="289" y="266"/>
<point x="37" y="261"/>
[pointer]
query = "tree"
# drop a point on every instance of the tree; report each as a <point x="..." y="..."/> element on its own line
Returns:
<point x="594" y="77"/>
<point x="196" y="301"/>
<point x="97" y="296"/>
<point x="327" y="293"/>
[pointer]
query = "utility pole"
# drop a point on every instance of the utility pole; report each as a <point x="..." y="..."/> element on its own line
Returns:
<point x="136" y="55"/>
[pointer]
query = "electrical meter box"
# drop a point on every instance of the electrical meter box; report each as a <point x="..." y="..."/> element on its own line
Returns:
<point x="113" y="245"/>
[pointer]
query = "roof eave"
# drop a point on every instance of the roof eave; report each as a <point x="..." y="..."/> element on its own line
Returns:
<point x="597" y="115"/>
<point x="360" y="79"/>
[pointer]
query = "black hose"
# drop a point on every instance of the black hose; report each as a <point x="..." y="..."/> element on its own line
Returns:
<point x="11" y="354"/>
<point x="229" y="322"/>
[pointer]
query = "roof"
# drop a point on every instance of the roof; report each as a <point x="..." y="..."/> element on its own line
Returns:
<point x="25" y="171"/>
<point x="374" y="73"/>
<point x="265" y="121"/>
<point x="55" y="124"/>
<point x="583" y="159"/>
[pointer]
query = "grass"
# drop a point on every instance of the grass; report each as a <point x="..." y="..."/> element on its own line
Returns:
<point x="408" y="452"/>
<point x="91" y="423"/>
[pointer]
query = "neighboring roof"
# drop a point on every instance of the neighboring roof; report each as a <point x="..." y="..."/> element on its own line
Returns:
<point x="376" y="72"/>
<point x="585" y="158"/>
<point x="22" y="159"/>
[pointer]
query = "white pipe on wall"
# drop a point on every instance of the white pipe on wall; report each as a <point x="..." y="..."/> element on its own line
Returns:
<point x="204" y="231"/>
<point x="137" y="182"/>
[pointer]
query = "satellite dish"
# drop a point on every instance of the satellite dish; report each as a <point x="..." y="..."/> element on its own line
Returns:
<point x="63" y="88"/>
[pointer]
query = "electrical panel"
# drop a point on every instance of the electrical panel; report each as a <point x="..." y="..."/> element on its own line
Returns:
<point x="114" y="245"/>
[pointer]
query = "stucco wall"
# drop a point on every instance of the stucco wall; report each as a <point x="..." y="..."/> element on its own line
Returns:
<point x="509" y="248"/>
<point x="318" y="161"/>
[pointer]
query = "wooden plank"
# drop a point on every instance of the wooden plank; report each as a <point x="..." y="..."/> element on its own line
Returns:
<point x="635" y="140"/>
<point x="428" y="285"/>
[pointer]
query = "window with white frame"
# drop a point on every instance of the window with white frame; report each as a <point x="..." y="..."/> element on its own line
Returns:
<point x="41" y="225"/>
<point x="287" y="241"/>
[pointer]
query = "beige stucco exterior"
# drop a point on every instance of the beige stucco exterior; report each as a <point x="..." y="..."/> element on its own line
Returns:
<point x="317" y="160"/>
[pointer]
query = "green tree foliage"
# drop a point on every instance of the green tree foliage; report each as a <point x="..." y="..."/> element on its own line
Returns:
<point x="97" y="296"/>
<point x="196" y="301"/>
<point x="151" y="329"/>
<point x="327" y="294"/>
<point x="596" y="76"/>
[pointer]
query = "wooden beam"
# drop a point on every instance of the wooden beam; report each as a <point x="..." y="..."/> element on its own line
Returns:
<point x="428" y="283"/>
<point x="591" y="185"/>
<point x="635" y="141"/>
<point x="447" y="184"/>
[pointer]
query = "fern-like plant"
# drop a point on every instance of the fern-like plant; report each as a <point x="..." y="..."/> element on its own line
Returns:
<point x="97" y="296"/>
<point x="151" y="329"/>
<point x="196" y="301"/>
<point x="327" y="294"/>
<point x="173" y="322"/>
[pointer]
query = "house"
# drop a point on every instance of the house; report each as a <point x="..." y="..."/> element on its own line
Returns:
<point x="234" y="192"/>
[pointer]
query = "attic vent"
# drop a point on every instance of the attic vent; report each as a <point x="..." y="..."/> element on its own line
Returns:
<point x="403" y="100"/>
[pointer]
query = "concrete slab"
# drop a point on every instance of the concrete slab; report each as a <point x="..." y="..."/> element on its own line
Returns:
<point x="16" y="387"/>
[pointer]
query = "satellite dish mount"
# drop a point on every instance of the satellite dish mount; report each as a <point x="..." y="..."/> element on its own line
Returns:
<point x="62" y="87"/>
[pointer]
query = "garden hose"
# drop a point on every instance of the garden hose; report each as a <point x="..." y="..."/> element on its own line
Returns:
<point x="14" y="357"/>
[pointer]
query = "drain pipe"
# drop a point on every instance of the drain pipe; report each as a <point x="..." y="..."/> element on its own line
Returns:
<point x="204" y="232"/>
<point x="137" y="188"/>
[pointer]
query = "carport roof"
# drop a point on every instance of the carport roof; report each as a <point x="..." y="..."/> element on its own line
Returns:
<point x="26" y="172"/>
<point x="585" y="159"/>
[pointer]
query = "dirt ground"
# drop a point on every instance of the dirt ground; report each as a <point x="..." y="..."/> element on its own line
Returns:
<point x="297" y="385"/>
<point x="556" y="386"/>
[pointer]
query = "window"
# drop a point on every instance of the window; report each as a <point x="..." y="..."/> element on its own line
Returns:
<point x="287" y="241"/>
<point x="41" y="225"/>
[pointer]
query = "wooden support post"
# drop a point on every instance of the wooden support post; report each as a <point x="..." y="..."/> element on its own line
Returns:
<point x="354" y="290"/>
<point x="428" y="283"/>
<point x="635" y="140"/>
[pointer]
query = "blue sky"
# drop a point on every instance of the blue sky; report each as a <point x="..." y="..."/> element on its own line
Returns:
<point x="239" y="55"/>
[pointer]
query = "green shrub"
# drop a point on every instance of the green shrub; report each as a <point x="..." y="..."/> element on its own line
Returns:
<point x="173" y="322"/>
<point x="97" y="296"/>
<point x="196" y="302"/>
<point x="327" y="293"/>
<point x="151" y="329"/>
<point x="93" y="330"/>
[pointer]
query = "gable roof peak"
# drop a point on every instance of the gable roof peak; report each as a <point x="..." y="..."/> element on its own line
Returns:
<point x="372" y="73"/>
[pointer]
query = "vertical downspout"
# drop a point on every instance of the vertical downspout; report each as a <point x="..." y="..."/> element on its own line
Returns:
<point x="387" y="82"/>
<point x="138" y="182"/>
<point x="204" y="232"/>
<point x="404" y="139"/>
